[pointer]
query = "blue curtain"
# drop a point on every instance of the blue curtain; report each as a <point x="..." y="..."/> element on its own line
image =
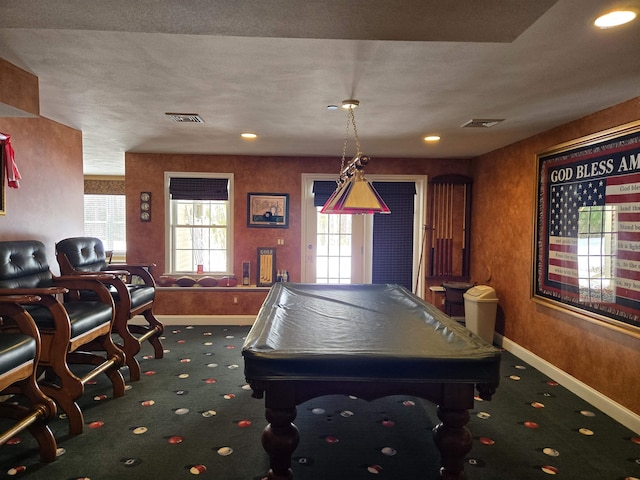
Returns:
<point x="322" y="190"/>
<point x="393" y="235"/>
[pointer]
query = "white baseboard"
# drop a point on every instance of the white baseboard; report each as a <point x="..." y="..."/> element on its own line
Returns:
<point x="199" y="319"/>
<point x="616" y="411"/>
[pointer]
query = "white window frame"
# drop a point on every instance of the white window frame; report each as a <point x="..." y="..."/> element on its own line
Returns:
<point x="118" y="254"/>
<point x="168" y="229"/>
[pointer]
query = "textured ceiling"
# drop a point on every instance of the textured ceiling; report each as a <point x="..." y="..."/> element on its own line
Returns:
<point x="113" y="68"/>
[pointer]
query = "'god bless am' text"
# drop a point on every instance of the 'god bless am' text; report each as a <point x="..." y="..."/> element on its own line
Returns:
<point x="625" y="164"/>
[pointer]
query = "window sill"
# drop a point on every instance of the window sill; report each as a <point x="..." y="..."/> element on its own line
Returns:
<point x="243" y="288"/>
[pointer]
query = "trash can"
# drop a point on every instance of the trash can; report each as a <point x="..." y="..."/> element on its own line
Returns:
<point x="480" y="307"/>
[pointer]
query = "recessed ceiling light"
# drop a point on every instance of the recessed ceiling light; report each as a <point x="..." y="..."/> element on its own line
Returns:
<point x="332" y="107"/>
<point x="248" y="135"/>
<point x="432" y="138"/>
<point x="615" y="18"/>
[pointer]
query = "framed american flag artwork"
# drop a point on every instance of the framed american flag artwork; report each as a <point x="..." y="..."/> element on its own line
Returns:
<point x="587" y="231"/>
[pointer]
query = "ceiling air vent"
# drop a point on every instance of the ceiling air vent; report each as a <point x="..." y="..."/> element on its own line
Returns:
<point x="185" y="117"/>
<point x="482" y="122"/>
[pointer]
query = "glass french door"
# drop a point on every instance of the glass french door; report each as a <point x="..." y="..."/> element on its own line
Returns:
<point x="338" y="249"/>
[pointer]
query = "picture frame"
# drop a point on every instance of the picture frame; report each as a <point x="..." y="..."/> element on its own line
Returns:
<point x="266" y="267"/>
<point x="587" y="228"/>
<point x="268" y="210"/>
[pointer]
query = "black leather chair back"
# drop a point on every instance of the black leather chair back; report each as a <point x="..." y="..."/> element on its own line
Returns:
<point x="85" y="254"/>
<point x="23" y="264"/>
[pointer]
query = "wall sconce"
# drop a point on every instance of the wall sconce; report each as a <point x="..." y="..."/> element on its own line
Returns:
<point x="145" y="206"/>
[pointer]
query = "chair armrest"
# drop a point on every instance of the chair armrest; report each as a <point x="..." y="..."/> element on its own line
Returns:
<point x="95" y="273"/>
<point x="10" y="307"/>
<point x="139" y="270"/>
<point x="116" y="273"/>
<point x="48" y="298"/>
<point x="127" y="266"/>
<point x="83" y="276"/>
<point x="39" y="291"/>
<point x="20" y="299"/>
<point x="94" y="282"/>
<point x="106" y="277"/>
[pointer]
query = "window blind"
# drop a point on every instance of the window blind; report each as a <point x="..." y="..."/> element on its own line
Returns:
<point x="322" y="190"/>
<point x="184" y="188"/>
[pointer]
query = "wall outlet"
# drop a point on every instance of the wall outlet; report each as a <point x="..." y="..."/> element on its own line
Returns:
<point x="235" y="299"/>
<point x="280" y="241"/>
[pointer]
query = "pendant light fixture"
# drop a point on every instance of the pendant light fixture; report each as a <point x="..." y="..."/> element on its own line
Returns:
<point x="354" y="194"/>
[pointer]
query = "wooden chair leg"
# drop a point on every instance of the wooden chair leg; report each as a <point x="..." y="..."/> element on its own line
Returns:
<point x="35" y="417"/>
<point x="152" y="333"/>
<point x="130" y="344"/>
<point x="37" y="426"/>
<point x="40" y="429"/>
<point x="68" y="405"/>
<point x="109" y="366"/>
<point x="63" y="386"/>
<point x="46" y="441"/>
<point x="131" y="347"/>
<point x="69" y="387"/>
<point x="113" y="372"/>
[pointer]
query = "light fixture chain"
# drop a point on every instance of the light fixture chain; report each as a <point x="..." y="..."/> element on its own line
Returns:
<point x="344" y="145"/>
<point x="352" y="117"/>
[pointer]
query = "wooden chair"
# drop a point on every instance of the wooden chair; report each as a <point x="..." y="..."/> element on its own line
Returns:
<point x="86" y="255"/>
<point x="19" y="355"/>
<point x="73" y="332"/>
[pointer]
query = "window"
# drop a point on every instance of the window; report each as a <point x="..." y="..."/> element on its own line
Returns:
<point x="105" y="218"/>
<point x="338" y="239"/>
<point x="199" y="222"/>
<point x="597" y="248"/>
<point x="333" y="255"/>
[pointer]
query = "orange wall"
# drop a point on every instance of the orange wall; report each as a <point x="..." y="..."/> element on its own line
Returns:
<point x="18" y="91"/>
<point x="145" y="172"/>
<point x="48" y="206"/>
<point x="501" y="244"/>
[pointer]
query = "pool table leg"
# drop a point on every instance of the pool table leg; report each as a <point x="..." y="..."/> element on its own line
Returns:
<point x="279" y="439"/>
<point x="453" y="439"/>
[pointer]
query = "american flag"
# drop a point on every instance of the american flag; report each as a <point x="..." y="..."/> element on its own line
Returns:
<point x="565" y="202"/>
<point x="620" y="195"/>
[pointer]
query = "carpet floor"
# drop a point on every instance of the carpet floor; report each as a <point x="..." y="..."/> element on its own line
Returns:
<point x="192" y="414"/>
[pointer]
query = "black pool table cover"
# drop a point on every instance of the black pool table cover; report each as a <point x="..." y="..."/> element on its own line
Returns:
<point x="362" y="333"/>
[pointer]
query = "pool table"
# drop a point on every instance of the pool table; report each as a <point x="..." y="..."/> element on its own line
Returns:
<point x="370" y="341"/>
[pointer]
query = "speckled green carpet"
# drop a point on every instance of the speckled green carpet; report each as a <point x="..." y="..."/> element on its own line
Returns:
<point x="192" y="414"/>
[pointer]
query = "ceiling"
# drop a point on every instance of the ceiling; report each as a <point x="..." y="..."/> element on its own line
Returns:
<point x="114" y="68"/>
